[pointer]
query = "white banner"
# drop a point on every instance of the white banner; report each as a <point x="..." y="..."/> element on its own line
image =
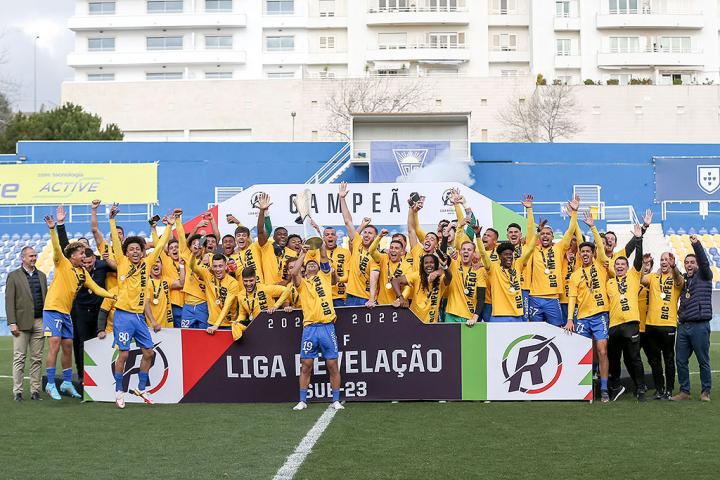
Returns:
<point x="166" y="373"/>
<point x="537" y="361"/>
<point x="385" y="203"/>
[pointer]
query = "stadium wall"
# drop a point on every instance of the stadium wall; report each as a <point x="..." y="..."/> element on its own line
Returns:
<point x="189" y="171"/>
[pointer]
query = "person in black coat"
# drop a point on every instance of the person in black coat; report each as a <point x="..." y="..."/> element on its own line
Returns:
<point x="694" y="315"/>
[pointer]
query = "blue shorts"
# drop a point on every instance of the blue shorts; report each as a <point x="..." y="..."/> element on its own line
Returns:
<point x="564" y="310"/>
<point x="177" y="315"/>
<point x="526" y="297"/>
<point x="319" y="337"/>
<point x="194" y="316"/>
<point x="507" y="319"/>
<point x="595" y="327"/>
<point x="545" y="310"/>
<point x="338" y="302"/>
<point x="128" y="326"/>
<point x="353" y="301"/>
<point x="56" y="324"/>
<point x="487" y="313"/>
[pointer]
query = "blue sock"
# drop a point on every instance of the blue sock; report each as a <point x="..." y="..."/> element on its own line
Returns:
<point x="51" y="375"/>
<point x="118" y="382"/>
<point x="143" y="378"/>
<point x="336" y="395"/>
<point x="303" y="395"/>
<point x="67" y="375"/>
<point x="603" y="384"/>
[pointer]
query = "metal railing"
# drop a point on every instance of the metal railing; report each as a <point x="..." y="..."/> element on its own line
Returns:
<point x="620" y="214"/>
<point x="418" y="9"/>
<point x="651" y="49"/>
<point x="34" y="214"/>
<point x="336" y="162"/>
<point x="420" y="45"/>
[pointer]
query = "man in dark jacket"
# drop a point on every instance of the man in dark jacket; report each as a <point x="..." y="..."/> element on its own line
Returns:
<point x="694" y="315"/>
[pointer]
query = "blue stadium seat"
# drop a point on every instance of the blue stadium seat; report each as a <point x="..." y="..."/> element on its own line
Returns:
<point x="670" y="231"/>
<point x="714" y="231"/>
<point x="46" y="236"/>
<point x="681" y="231"/>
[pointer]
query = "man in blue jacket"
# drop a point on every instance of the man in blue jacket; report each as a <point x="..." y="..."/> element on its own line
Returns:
<point x="694" y="315"/>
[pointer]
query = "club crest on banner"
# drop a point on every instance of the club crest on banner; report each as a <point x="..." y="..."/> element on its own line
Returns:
<point x="409" y="159"/>
<point x="537" y="364"/>
<point x="708" y="178"/>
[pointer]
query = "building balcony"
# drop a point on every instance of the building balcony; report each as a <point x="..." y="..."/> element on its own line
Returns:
<point x="417" y="15"/>
<point x="156" y="57"/>
<point x="420" y="51"/>
<point x="567" y="24"/>
<point x="327" y="22"/>
<point x="651" y="58"/>
<point x="568" y="61"/>
<point x="665" y="20"/>
<point x="508" y="56"/>
<point x="304" y="58"/>
<point x="509" y="19"/>
<point x="169" y="21"/>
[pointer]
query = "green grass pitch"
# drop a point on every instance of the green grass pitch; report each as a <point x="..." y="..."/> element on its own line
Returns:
<point x="415" y="440"/>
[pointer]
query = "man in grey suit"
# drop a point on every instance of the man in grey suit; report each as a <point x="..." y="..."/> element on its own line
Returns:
<point x="24" y="298"/>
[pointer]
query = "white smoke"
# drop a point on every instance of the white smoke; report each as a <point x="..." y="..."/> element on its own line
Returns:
<point x="447" y="166"/>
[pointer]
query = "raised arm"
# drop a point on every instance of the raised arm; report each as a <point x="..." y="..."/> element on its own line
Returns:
<point x="347" y="216"/>
<point x="677" y="275"/>
<point x="702" y="259"/>
<point x="62" y="233"/>
<point x="180" y="230"/>
<point x="528" y="204"/>
<point x="599" y="248"/>
<point x="95" y="288"/>
<point x="481" y="248"/>
<point x="637" y="235"/>
<point x="295" y="271"/>
<point x="527" y="252"/>
<point x="99" y="239"/>
<point x="572" y="207"/>
<point x="401" y="288"/>
<point x="263" y="206"/>
<point x="57" y="251"/>
<point x="116" y="245"/>
<point x="164" y="239"/>
<point x="377" y="256"/>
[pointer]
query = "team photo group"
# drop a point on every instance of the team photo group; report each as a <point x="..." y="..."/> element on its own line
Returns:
<point x="630" y="304"/>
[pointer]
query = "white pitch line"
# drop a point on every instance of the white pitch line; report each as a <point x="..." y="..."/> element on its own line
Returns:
<point x="10" y="376"/>
<point x="293" y="462"/>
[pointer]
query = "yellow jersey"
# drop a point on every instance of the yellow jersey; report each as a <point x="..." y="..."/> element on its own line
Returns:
<point x="546" y="272"/>
<point x="461" y="293"/>
<point x="664" y="294"/>
<point x="643" y="304"/>
<point x="274" y="267"/>
<point x="623" y="293"/>
<point x="290" y="294"/>
<point x="588" y="290"/>
<point x="171" y="273"/>
<point x="252" y="304"/>
<point x="133" y="278"/>
<point x="193" y="288"/>
<point x="425" y="303"/>
<point x="361" y="264"/>
<point x="158" y="293"/>
<point x="108" y="305"/>
<point x="217" y="293"/>
<point x="316" y="299"/>
<point x="68" y="281"/>
<point x="250" y="257"/>
<point x="338" y="258"/>
<point x="111" y="281"/>
<point x="567" y="269"/>
<point x="388" y="271"/>
<point x="494" y="258"/>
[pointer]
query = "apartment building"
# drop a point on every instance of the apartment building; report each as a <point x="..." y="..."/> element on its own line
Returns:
<point x="665" y="41"/>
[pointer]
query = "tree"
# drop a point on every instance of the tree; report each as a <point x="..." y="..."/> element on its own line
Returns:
<point x="373" y="94"/>
<point x="548" y="115"/>
<point x="5" y="112"/>
<point x="68" y="122"/>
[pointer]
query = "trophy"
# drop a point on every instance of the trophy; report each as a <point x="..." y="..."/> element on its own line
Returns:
<point x="302" y="202"/>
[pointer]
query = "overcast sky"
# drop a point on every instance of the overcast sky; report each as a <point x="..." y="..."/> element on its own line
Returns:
<point x="20" y="22"/>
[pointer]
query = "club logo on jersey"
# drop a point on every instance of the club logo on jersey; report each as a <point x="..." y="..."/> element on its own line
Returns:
<point x="409" y="159"/>
<point x="255" y="199"/>
<point x="538" y="364"/>
<point x="708" y="178"/>
<point x="158" y="371"/>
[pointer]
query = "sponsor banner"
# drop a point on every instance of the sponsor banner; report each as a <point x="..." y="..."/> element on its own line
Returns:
<point x="72" y="183"/>
<point x="385" y="203"/>
<point x="687" y="178"/>
<point x="385" y="354"/>
<point x="528" y="361"/>
<point x="391" y="160"/>
<point x="166" y="373"/>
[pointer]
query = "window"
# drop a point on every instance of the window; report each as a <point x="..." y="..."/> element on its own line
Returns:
<point x="624" y="44"/>
<point x="505" y="42"/>
<point x="279" y="7"/>
<point x="164" y="43"/>
<point x="281" y="74"/>
<point x="218" y="5"/>
<point x="101" y="77"/>
<point x="164" y="6"/>
<point x="225" y="41"/>
<point x="101" y="7"/>
<point x="327" y="43"/>
<point x="562" y="47"/>
<point x="392" y="40"/>
<point x="446" y="40"/>
<point x="101" y="44"/>
<point x="164" y="76"/>
<point x="218" y="75"/>
<point x="623" y="6"/>
<point x="504" y="7"/>
<point x="674" y="44"/>
<point x="622" y="78"/>
<point x="393" y="5"/>
<point x="280" y="43"/>
<point x="327" y="8"/>
<point x="562" y="8"/>
<point x="443" y="5"/>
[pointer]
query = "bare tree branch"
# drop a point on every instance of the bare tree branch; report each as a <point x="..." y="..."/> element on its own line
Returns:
<point x="548" y="115"/>
<point x="373" y="95"/>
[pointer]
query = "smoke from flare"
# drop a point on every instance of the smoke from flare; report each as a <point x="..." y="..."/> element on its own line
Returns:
<point x="447" y="166"/>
